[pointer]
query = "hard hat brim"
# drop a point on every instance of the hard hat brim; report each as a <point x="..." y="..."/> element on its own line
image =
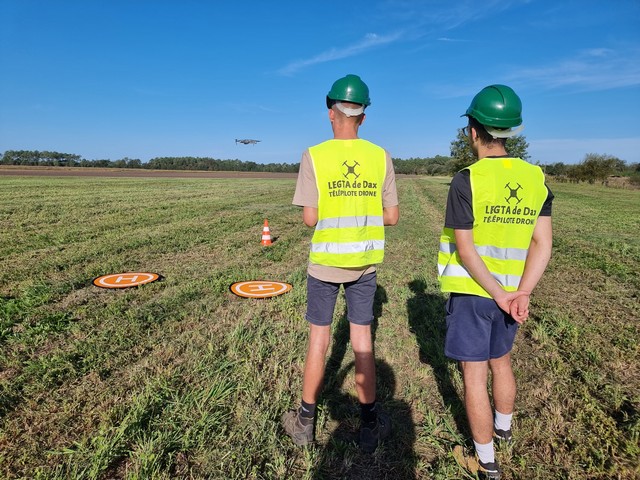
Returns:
<point x="350" y="112"/>
<point x="503" y="133"/>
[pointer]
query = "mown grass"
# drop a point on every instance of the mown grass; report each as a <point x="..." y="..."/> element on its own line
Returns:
<point x="180" y="379"/>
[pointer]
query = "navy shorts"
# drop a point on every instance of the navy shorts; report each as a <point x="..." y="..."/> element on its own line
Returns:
<point x="321" y="300"/>
<point x="477" y="329"/>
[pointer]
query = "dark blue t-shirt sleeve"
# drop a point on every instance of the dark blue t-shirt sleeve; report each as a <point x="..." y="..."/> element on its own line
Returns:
<point x="545" y="211"/>
<point x="459" y="213"/>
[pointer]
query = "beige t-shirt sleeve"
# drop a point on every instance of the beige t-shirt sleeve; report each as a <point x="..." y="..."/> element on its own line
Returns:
<point x="306" y="194"/>
<point x="389" y="191"/>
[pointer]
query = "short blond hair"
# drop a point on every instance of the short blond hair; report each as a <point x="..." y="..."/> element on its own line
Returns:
<point x="344" y="118"/>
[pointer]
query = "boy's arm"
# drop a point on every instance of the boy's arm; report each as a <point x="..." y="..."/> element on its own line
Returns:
<point x="390" y="210"/>
<point x="310" y="216"/>
<point x="539" y="255"/>
<point x="306" y="194"/>
<point x="390" y="215"/>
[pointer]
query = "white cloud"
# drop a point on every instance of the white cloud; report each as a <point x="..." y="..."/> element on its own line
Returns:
<point x="370" y="41"/>
<point x="454" y="40"/>
<point x="598" y="52"/>
<point x="589" y="70"/>
<point x="425" y="15"/>
<point x="249" y="108"/>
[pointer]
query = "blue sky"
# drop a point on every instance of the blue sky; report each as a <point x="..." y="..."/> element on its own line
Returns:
<point x="142" y="79"/>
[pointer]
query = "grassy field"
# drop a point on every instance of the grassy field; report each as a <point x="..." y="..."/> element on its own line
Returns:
<point x="181" y="379"/>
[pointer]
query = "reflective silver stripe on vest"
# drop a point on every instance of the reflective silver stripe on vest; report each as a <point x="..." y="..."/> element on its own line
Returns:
<point x="345" y="248"/>
<point x="349" y="222"/>
<point x="459" y="271"/>
<point x="490" y="251"/>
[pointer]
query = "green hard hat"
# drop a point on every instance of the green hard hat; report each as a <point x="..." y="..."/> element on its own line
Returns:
<point x="349" y="89"/>
<point x="496" y="106"/>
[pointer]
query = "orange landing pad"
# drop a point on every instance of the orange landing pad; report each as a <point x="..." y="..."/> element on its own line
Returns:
<point x="260" y="288"/>
<point x="125" y="280"/>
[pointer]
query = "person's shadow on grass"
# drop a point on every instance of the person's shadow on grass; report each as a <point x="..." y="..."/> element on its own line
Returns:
<point x="427" y="321"/>
<point x="339" y="454"/>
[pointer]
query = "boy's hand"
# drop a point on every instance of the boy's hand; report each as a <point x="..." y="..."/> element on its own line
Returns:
<point x="515" y="304"/>
<point x="519" y="308"/>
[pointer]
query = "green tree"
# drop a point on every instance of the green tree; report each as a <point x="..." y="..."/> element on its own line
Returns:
<point x="35" y="157"/>
<point x="599" y="167"/>
<point x="422" y="166"/>
<point x="619" y="166"/>
<point x="463" y="156"/>
<point x="134" y="163"/>
<point x="557" y="168"/>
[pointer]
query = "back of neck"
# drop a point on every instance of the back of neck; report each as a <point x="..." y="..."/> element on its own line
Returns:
<point x="344" y="132"/>
<point x="493" y="151"/>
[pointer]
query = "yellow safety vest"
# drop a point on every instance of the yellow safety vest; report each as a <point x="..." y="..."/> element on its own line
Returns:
<point x="507" y="195"/>
<point x="350" y="229"/>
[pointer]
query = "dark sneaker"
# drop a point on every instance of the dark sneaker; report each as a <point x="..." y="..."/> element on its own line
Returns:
<point x="489" y="471"/>
<point x="473" y="465"/>
<point x="298" y="429"/>
<point x="503" y="436"/>
<point x="371" y="436"/>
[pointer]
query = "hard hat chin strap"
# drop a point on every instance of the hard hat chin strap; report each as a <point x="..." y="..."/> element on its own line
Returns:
<point x="350" y="112"/>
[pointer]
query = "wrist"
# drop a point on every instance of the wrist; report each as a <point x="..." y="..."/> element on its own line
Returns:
<point x="498" y="294"/>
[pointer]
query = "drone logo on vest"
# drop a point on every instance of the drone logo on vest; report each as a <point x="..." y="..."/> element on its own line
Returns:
<point x="513" y="193"/>
<point x="351" y="169"/>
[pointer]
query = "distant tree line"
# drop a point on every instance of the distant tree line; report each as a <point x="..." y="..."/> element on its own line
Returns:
<point x="57" y="159"/>
<point x="438" y="165"/>
<point x="212" y="164"/>
<point x="594" y="168"/>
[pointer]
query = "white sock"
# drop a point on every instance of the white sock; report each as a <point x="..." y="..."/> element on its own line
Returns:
<point x="502" y="421"/>
<point x="485" y="451"/>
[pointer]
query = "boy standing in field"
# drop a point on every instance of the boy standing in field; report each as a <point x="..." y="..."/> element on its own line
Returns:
<point x="347" y="189"/>
<point x="494" y="249"/>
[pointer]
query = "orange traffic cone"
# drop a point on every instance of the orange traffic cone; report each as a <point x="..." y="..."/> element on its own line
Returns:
<point x="266" y="234"/>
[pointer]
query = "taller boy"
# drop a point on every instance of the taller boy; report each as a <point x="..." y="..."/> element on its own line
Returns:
<point x="347" y="189"/>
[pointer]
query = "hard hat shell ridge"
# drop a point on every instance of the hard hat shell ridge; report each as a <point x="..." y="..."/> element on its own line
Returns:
<point x="496" y="106"/>
<point x="351" y="89"/>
